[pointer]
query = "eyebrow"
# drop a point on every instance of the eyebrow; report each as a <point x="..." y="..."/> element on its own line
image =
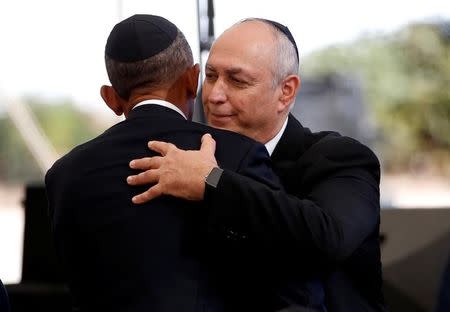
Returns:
<point x="238" y="70"/>
<point x="233" y="70"/>
<point x="209" y="67"/>
<point x="229" y="71"/>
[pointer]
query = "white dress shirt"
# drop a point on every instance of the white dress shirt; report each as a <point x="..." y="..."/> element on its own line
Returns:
<point x="162" y="103"/>
<point x="270" y="146"/>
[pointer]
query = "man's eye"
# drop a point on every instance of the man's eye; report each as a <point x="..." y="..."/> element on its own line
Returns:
<point x="209" y="76"/>
<point x="237" y="80"/>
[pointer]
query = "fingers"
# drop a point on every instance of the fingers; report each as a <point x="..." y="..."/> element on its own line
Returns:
<point x="160" y="147"/>
<point x="150" y="194"/>
<point x="146" y="177"/>
<point x="146" y="163"/>
<point x="175" y="167"/>
<point x="208" y="144"/>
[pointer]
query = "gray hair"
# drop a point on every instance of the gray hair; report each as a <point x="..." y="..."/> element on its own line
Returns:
<point x="286" y="61"/>
<point x="159" y="70"/>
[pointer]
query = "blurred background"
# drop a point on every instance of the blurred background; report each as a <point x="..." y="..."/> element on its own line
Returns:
<point x="377" y="71"/>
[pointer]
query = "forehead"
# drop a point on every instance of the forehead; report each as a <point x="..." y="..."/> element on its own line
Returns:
<point x="248" y="46"/>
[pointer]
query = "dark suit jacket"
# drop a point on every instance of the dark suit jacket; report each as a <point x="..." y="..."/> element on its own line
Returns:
<point x="322" y="230"/>
<point x="4" y="301"/>
<point x="153" y="257"/>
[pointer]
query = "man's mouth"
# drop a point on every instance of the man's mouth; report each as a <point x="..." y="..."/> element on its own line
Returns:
<point x="219" y="119"/>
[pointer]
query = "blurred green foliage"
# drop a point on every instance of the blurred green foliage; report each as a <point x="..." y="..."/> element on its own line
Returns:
<point x="16" y="162"/>
<point x="406" y="81"/>
<point x="62" y="123"/>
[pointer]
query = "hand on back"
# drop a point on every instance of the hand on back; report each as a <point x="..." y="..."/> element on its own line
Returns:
<point x="176" y="172"/>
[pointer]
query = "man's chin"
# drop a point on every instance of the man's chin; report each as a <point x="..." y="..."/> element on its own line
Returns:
<point x="222" y="122"/>
<point x="228" y="126"/>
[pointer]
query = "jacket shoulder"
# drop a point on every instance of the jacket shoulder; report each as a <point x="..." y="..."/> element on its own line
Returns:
<point x="333" y="145"/>
<point x="332" y="153"/>
<point x="69" y="160"/>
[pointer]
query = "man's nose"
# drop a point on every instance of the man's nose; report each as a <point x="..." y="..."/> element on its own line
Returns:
<point x="217" y="94"/>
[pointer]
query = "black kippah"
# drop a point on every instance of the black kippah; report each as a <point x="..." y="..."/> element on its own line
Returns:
<point x="285" y="31"/>
<point x="139" y="37"/>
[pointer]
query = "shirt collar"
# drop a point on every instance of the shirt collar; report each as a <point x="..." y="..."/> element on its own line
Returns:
<point x="162" y="103"/>
<point x="270" y="146"/>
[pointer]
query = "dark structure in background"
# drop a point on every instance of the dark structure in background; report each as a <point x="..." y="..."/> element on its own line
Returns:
<point x="335" y="102"/>
<point x="415" y="254"/>
<point x="42" y="287"/>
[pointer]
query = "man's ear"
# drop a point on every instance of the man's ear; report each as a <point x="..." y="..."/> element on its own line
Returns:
<point x="192" y="80"/>
<point x="112" y="99"/>
<point x="289" y="88"/>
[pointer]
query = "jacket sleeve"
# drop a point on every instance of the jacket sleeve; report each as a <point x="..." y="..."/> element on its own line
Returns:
<point x="332" y="210"/>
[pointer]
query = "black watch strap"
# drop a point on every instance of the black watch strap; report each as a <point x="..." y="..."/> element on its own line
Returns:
<point x="212" y="179"/>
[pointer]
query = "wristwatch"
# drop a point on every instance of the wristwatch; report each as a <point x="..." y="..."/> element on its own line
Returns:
<point x="212" y="179"/>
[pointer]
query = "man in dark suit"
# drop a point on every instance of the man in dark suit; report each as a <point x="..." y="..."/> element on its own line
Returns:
<point x="123" y="257"/>
<point x="323" y="229"/>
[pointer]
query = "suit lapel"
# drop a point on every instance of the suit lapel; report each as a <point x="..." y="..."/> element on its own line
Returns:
<point x="291" y="144"/>
<point x="287" y="153"/>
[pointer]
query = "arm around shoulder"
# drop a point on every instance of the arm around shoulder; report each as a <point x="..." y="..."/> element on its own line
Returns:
<point x="329" y="209"/>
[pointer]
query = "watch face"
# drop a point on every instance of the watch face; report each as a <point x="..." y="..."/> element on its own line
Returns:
<point x="214" y="176"/>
